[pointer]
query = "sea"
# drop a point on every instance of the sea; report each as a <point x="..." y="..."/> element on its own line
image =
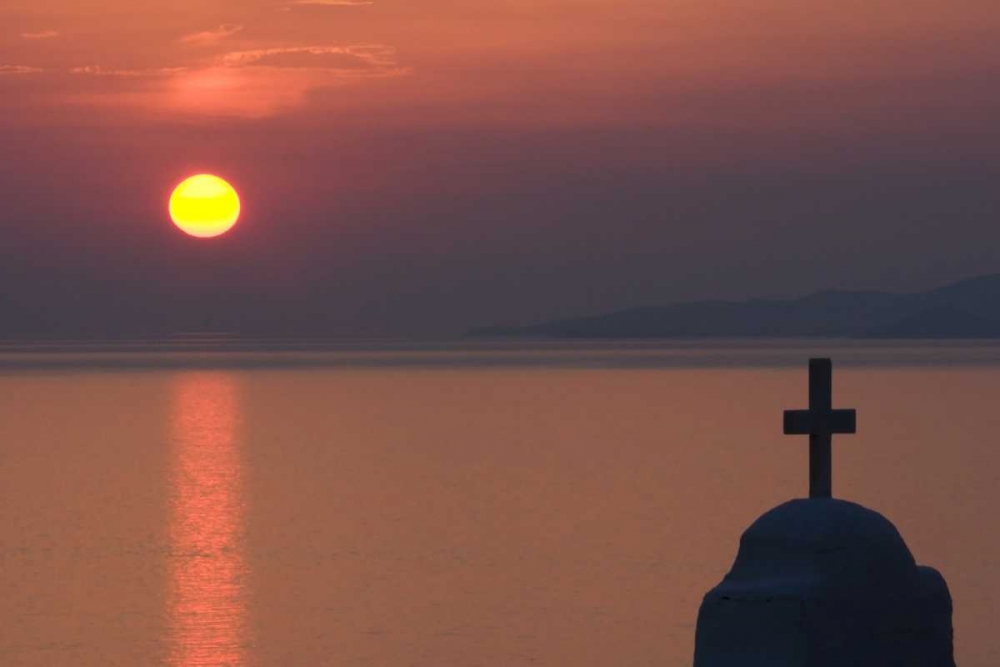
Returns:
<point x="210" y="501"/>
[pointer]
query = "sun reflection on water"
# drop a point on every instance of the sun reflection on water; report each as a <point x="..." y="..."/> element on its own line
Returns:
<point x="207" y="601"/>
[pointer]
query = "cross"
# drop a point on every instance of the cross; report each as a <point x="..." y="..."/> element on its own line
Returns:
<point x="820" y="422"/>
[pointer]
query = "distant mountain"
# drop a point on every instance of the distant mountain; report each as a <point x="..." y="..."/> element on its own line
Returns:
<point x="966" y="309"/>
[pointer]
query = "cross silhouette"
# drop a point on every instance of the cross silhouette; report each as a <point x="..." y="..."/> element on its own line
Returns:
<point x="820" y="422"/>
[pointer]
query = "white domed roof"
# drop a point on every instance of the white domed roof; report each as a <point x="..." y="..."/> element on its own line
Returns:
<point x="820" y="548"/>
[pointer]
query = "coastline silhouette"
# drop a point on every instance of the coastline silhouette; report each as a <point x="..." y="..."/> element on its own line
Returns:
<point x="965" y="309"/>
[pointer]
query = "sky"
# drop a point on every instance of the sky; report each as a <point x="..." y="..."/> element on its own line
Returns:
<point x="421" y="167"/>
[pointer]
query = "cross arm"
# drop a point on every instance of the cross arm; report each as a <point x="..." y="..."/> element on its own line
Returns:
<point x="809" y="422"/>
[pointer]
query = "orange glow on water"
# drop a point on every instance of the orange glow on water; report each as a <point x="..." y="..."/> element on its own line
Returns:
<point x="207" y="601"/>
<point x="204" y="206"/>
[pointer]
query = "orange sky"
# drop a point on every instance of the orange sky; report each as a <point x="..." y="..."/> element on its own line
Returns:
<point x="458" y="162"/>
<point x="519" y="61"/>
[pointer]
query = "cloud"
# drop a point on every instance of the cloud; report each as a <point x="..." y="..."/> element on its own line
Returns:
<point x="11" y="70"/>
<point x="44" y="34"/>
<point x="254" y="83"/>
<point x="355" y="60"/>
<point x="97" y="70"/>
<point x="209" y="37"/>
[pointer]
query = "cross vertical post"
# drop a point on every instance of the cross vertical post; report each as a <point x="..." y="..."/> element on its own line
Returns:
<point x="820" y="444"/>
<point x="820" y="422"/>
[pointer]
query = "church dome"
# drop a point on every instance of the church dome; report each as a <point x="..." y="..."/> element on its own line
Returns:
<point x="824" y="582"/>
<point x="820" y="548"/>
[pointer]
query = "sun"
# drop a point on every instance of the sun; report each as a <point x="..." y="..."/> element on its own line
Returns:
<point x="204" y="206"/>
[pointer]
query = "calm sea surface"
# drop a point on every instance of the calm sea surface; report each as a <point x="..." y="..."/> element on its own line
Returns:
<point x="442" y="505"/>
